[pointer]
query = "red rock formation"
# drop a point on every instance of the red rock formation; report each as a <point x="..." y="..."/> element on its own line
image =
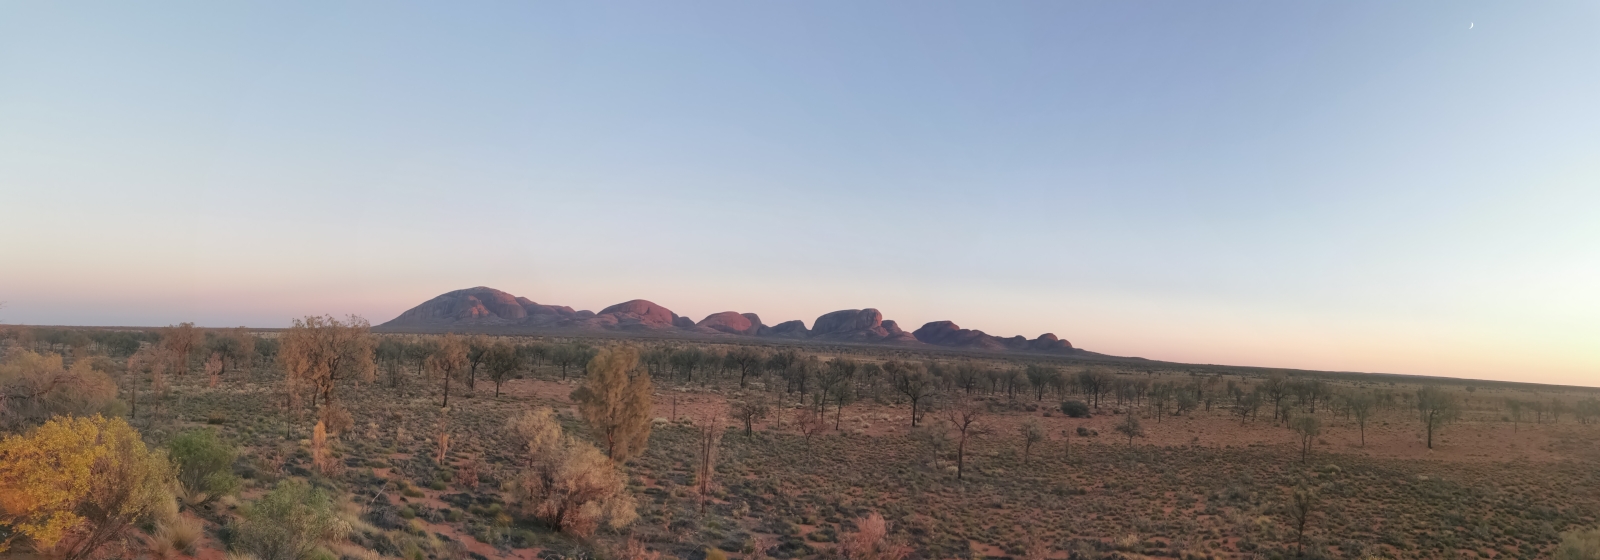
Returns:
<point x="640" y="313"/>
<point x="731" y="322"/>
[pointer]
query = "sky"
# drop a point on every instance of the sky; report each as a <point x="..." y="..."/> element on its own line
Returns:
<point x="1402" y="187"/>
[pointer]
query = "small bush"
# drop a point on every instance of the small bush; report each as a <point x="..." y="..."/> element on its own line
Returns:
<point x="205" y="465"/>
<point x="1075" y="409"/>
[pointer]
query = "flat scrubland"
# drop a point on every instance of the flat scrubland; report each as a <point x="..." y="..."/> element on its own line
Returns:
<point x="1513" y="470"/>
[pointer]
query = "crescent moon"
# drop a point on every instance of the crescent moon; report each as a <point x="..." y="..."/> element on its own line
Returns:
<point x="1470" y="25"/>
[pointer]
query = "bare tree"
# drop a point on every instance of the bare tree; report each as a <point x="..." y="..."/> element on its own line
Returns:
<point x="964" y="418"/>
<point x="916" y="385"/>
<point x="708" y="439"/>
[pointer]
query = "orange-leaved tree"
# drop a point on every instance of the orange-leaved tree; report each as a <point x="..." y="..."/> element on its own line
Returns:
<point x="320" y="351"/>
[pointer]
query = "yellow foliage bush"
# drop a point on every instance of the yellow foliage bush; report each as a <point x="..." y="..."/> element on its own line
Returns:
<point x="74" y="484"/>
<point x="575" y="489"/>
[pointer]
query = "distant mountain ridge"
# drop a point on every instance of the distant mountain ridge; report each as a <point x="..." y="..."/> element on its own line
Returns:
<point x="489" y="310"/>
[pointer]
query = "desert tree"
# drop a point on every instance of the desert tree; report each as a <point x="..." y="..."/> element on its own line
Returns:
<point x="615" y="400"/>
<point x="1360" y="407"/>
<point x="916" y="385"/>
<point x="535" y="352"/>
<point x="321" y="351"/>
<point x="708" y="437"/>
<point x="779" y="363"/>
<point x="966" y="376"/>
<point x="572" y="354"/>
<point x="1275" y="389"/>
<point x="1130" y="426"/>
<point x="75" y="484"/>
<point x="477" y="352"/>
<point x="1587" y="410"/>
<point x="234" y="348"/>
<point x="180" y="341"/>
<point x="656" y="359"/>
<point x="837" y="383"/>
<point x="1040" y="377"/>
<point x="501" y="362"/>
<point x="417" y="353"/>
<point x="965" y="418"/>
<point x="1248" y="405"/>
<point x="749" y="410"/>
<point x="1160" y="399"/>
<point x="391" y="355"/>
<point x="810" y="422"/>
<point x="448" y="362"/>
<point x="1302" y="504"/>
<point x="1184" y="400"/>
<point x="1514" y="410"/>
<point x="1032" y="434"/>
<point x="34" y="388"/>
<point x="1308" y="428"/>
<point x="746" y="361"/>
<point x="1094" y="384"/>
<point x="684" y="362"/>
<point x="1437" y="408"/>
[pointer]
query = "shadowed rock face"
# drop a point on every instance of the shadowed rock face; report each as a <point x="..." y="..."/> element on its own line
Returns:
<point x="947" y="333"/>
<point x="489" y="309"/>
<point x="786" y="329"/>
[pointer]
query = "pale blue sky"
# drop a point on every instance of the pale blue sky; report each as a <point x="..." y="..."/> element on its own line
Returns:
<point x="1339" y="185"/>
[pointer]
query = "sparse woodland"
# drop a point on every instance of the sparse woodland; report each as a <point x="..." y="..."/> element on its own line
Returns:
<point x="327" y="441"/>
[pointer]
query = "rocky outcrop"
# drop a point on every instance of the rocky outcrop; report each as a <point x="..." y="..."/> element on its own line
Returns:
<point x="487" y="309"/>
<point x="475" y="306"/>
<point x="732" y="323"/>
<point x="947" y="333"/>
<point x="786" y="329"/>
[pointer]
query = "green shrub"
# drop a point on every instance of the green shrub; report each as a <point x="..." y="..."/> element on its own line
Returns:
<point x="204" y="464"/>
<point x="1075" y="409"/>
<point x="289" y="523"/>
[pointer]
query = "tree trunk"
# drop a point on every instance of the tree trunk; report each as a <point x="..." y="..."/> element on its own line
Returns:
<point x="446" y="390"/>
<point x="961" y="456"/>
